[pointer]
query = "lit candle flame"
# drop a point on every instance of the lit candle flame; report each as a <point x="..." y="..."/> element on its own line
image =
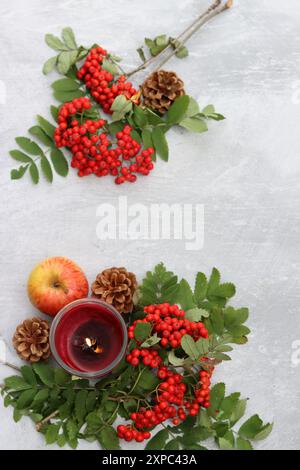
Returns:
<point x="92" y="344"/>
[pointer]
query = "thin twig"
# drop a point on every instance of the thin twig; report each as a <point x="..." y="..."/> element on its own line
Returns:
<point x="12" y="366"/>
<point x="39" y="425"/>
<point x="209" y="14"/>
<point x="184" y="36"/>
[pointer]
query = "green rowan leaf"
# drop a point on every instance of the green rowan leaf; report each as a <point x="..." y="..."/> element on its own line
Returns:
<point x="46" y="169"/>
<point x="142" y="331"/>
<point x="29" y="146"/>
<point x="69" y="38"/>
<point x="108" y="438"/>
<point x="177" y="110"/>
<point x="20" y="156"/>
<point x="160" y="143"/>
<point x="59" y="162"/>
<point x="49" y="65"/>
<point x="55" y="43"/>
<point x="189" y="346"/>
<point x="45" y="373"/>
<point x="158" y="441"/>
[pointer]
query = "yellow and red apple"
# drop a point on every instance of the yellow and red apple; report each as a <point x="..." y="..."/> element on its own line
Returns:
<point x="54" y="283"/>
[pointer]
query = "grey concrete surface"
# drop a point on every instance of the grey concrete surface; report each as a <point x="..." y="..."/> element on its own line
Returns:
<point x="245" y="171"/>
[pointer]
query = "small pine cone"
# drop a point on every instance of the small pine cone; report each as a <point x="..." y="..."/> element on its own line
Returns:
<point x="31" y="340"/>
<point x="116" y="286"/>
<point x="161" y="89"/>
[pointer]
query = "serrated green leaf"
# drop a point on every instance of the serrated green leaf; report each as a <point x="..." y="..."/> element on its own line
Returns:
<point x="54" y="112"/>
<point x="55" y="43"/>
<point x="29" y="146"/>
<point x="61" y="377"/>
<point x="200" y="287"/>
<point x="69" y="38"/>
<point x="41" y="396"/>
<point x="20" y="156"/>
<point x="177" y="111"/>
<point x="158" y="441"/>
<point x="194" y="124"/>
<point x="59" y="162"/>
<point x="108" y="438"/>
<point x="136" y="136"/>
<point x="217" y="321"/>
<point x="243" y="444"/>
<point x="28" y="375"/>
<point x="151" y="341"/>
<point x="189" y="346"/>
<point x="15" y="382"/>
<point x="72" y="429"/>
<point x="217" y="395"/>
<point x="61" y="440"/>
<point x="209" y="109"/>
<point x="214" y="281"/>
<point x="34" y="173"/>
<point x="140" y="116"/>
<point x="80" y="404"/>
<point x="49" y="65"/>
<point x="26" y="398"/>
<point x="182" y="52"/>
<point x="196" y="314"/>
<point x="202" y="346"/>
<point x="160" y="143"/>
<point x="238" y="411"/>
<point x="38" y="132"/>
<point x="142" y="331"/>
<point x="17" y="415"/>
<point x="46" y="169"/>
<point x="228" y="405"/>
<point x="65" y="84"/>
<point x="91" y="400"/>
<point x="227" y="442"/>
<point x="252" y="427"/>
<point x="109" y="66"/>
<point x="52" y="433"/>
<point x="196" y="435"/>
<point x="226" y="290"/>
<point x="235" y="317"/>
<point x="45" y="373"/>
<point x="174" y="444"/>
<point x="65" y="60"/>
<point x="264" y="432"/>
<point x="174" y="360"/>
<point x="147" y="381"/>
<point x="185" y="296"/>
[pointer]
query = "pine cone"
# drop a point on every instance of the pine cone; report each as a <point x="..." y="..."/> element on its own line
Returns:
<point x="161" y="89"/>
<point x="31" y="340"/>
<point x="116" y="286"/>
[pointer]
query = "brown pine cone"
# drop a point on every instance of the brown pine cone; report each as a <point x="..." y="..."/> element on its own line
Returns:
<point x="116" y="286"/>
<point x="31" y="340"/>
<point x="161" y="89"/>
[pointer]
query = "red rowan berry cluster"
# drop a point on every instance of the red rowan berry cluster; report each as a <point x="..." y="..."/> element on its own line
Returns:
<point x="129" y="433"/>
<point x="100" y="82"/>
<point x="169" y="323"/>
<point x="148" y="356"/>
<point x="92" y="150"/>
<point x="171" y="402"/>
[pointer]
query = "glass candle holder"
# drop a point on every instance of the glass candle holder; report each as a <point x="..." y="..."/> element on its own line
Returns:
<point x="88" y="338"/>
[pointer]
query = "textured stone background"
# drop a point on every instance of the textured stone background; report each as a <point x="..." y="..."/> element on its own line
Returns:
<point x="245" y="171"/>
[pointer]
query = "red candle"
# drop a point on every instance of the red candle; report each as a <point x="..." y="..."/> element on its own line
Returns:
<point x="88" y="338"/>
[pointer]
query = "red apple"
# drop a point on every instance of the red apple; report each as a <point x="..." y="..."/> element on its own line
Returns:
<point x="54" y="283"/>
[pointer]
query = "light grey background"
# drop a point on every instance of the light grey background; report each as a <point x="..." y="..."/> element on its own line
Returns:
<point x="245" y="171"/>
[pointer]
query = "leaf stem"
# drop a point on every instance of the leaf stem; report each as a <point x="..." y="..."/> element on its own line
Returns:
<point x="39" y="425"/>
<point x="137" y="380"/>
<point x="12" y="366"/>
